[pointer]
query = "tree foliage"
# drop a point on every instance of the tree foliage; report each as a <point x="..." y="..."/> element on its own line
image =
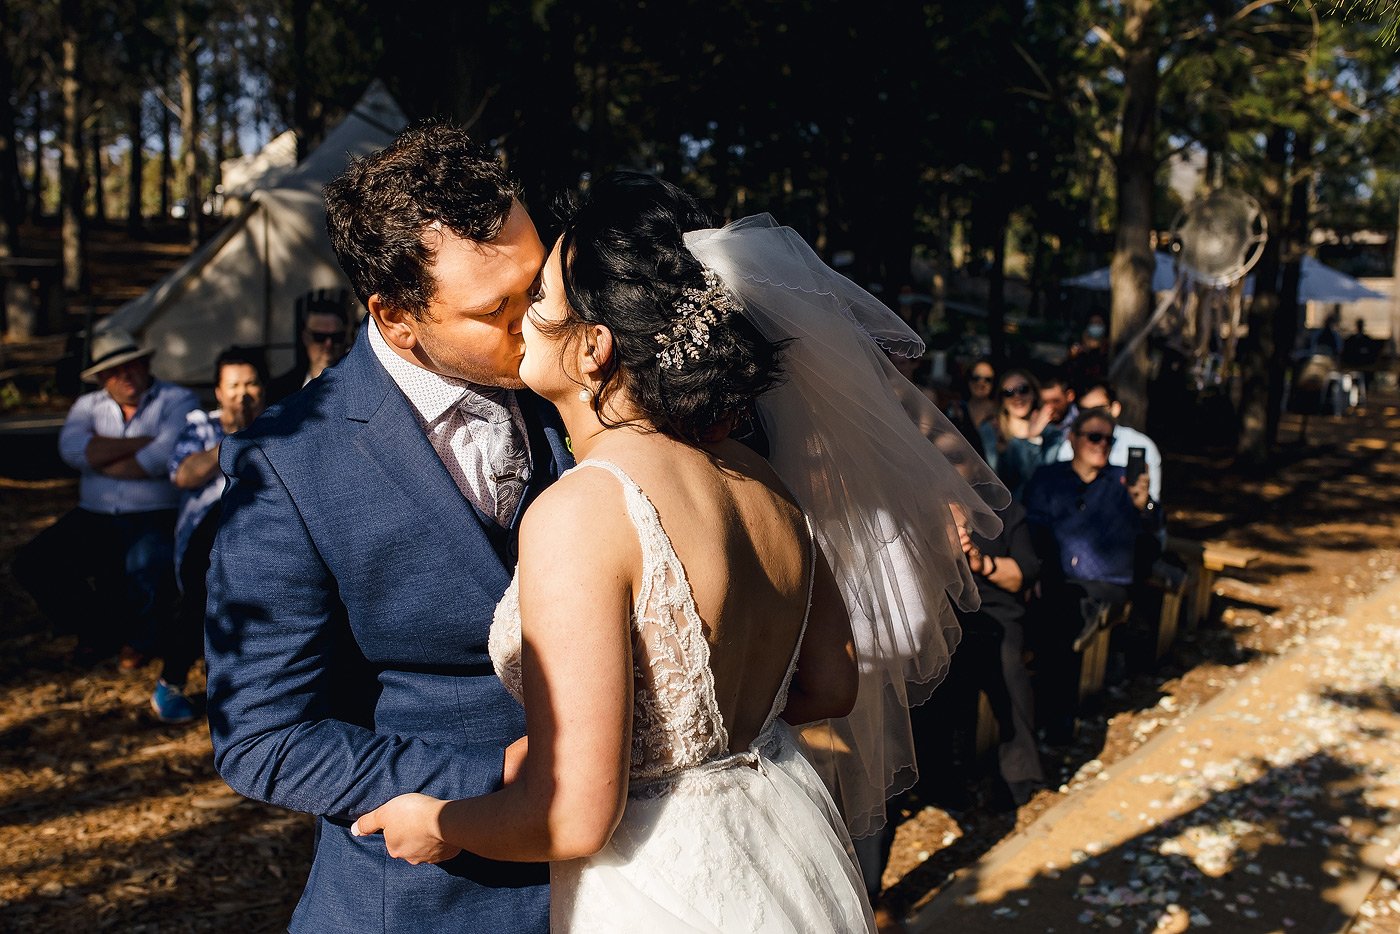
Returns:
<point x="979" y="138"/>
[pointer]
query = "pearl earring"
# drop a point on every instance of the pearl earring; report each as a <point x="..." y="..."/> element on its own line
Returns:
<point x="585" y="395"/>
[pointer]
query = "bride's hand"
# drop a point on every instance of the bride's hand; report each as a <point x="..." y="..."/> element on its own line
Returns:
<point x="411" y="827"/>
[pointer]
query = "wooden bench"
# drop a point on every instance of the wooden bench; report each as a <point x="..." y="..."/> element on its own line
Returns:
<point x="1093" y="657"/>
<point x="1204" y="563"/>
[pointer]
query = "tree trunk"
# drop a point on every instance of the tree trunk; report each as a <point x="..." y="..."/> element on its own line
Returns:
<point x="136" y="164"/>
<point x="1395" y="290"/>
<point x="1295" y="244"/>
<point x="167" y="162"/>
<point x="189" y="123"/>
<point x="1131" y="270"/>
<point x="36" y="175"/>
<point x="996" y="286"/>
<point x="98" y="189"/>
<point x="301" y="78"/>
<point x="70" y="154"/>
<point x="1258" y="352"/>
<point x="11" y="209"/>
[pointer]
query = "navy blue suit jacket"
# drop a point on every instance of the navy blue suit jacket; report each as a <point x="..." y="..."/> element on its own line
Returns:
<point x="350" y="596"/>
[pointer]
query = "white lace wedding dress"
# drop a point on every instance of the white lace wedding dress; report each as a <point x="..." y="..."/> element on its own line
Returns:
<point x="710" y="840"/>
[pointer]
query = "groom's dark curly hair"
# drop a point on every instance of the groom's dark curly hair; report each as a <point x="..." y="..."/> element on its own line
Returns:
<point x="625" y="265"/>
<point x="377" y="211"/>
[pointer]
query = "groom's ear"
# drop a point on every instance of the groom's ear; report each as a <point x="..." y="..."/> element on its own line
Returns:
<point x="597" y="349"/>
<point x="393" y="323"/>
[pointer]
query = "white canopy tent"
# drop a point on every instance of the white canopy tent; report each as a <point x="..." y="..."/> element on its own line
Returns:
<point x="1317" y="282"/>
<point x="241" y="288"/>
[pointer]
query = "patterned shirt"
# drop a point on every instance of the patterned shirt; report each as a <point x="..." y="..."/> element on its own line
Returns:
<point x="202" y="432"/>
<point x="160" y="414"/>
<point x="469" y="426"/>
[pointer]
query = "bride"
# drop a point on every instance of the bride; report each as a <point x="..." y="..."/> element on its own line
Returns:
<point x="663" y="659"/>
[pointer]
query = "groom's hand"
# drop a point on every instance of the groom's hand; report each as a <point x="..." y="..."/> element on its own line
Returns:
<point x="411" y="825"/>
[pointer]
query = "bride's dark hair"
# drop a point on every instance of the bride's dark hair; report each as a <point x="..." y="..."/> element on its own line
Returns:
<point x="625" y="265"/>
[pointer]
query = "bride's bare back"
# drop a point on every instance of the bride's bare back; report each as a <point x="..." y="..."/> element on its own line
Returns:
<point x="747" y="556"/>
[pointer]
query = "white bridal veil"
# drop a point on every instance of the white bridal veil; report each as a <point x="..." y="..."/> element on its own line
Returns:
<point x="885" y="478"/>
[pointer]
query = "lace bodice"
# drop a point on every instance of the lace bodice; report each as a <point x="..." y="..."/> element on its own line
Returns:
<point x="676" y="722"/>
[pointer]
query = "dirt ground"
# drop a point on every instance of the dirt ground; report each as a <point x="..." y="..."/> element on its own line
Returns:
<point x="111" y="821"/>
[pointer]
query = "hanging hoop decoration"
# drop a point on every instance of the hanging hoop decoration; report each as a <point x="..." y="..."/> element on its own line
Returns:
<point x="1219" y="237"/>
<point x="1216" y="239"/>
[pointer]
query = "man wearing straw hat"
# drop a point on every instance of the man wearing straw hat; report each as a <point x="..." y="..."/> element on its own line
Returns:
<point x="105" y="570"/>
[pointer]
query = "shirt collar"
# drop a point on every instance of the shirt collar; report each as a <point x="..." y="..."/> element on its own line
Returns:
<point x="431" y="394"/>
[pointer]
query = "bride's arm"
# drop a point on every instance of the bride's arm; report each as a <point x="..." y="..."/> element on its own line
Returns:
<point x="824" y="684"/>
<point x="578" y="554"/>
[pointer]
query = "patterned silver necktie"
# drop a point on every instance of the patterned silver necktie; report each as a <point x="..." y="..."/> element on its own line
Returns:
<point x="508" y="454"/>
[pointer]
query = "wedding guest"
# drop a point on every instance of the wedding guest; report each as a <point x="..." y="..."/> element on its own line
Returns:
<point x="104" y="571"/>
<point x="1102" y="395"/>
<point x="1006" y="568"/>
<point x="1088" y="358"/>
<point x="1019" y="426"/>
<point x="325" y="337"/>
<point x="978" y="408"/>
<point x="1058" y="408"/>
<point x="1086" y="522"/>
<point x="194" y="468"/>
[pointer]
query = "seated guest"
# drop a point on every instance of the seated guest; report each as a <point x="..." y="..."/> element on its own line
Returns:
<point x="104" y="570"/>
<point x="1005" y="568"/>
<point x="1088" y="358"/>
<point x="1086" y="523"/>
<point x="194" y="468"/>
<point x="990" y="659"/>
<point x="1058" y="411"/>
<point x="1102" y="395"/>
<point x="978" y="409"/>
<point x="1019" y="423"/>
<point x="325" y="338"/>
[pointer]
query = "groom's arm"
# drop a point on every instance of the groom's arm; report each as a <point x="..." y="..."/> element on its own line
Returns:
<point x="276" y="642"/>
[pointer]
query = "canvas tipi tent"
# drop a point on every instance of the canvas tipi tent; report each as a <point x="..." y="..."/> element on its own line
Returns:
<point x="242" y="287"/>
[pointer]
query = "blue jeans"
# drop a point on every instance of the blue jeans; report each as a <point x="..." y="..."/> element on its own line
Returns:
<point x="109" y="579"/>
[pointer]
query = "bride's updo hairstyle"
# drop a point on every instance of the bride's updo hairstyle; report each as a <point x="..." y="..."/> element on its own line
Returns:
<point x="625" y="265"/>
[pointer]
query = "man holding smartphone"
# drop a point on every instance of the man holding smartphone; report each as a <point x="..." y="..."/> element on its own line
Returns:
<point x="1102" y="395"/>
<point x="1086" y="521"/>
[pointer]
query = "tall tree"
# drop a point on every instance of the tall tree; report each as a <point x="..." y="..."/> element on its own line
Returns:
<point x="188" y="42"/>
<point x="11" y="210"/>
<point x="70" y="149"/>
<point x="1136" y="164"/>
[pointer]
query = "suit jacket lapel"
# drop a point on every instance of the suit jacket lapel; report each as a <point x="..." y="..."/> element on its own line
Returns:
<point x="393" y="441"/>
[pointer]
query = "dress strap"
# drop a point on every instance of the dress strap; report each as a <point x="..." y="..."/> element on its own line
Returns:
<point x="640" y="509"/>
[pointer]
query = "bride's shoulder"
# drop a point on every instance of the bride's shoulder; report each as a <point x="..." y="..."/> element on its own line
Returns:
<point x="585" y="507"/>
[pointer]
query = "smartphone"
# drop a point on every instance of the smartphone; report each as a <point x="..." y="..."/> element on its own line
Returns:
<point x="1137" y="464"/>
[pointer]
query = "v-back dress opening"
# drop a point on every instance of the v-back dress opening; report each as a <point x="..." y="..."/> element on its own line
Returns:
<point x="711" y="840"/>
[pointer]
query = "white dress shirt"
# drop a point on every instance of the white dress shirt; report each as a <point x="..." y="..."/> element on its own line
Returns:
<point x="160" y="415"/>
<point x="463" y="439"/>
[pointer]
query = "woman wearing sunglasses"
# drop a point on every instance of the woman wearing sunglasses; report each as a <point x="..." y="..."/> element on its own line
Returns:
<point x="1019" y="424"/>
<point x="976" y="412"/>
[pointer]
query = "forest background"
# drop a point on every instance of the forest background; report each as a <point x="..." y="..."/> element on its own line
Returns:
<point x="984" y="139"/>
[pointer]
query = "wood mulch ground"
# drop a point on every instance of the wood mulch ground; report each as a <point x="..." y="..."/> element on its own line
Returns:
<point x="111" y="821"/>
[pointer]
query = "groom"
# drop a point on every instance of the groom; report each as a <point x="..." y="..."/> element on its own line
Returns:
<point x="369" y="531"/>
